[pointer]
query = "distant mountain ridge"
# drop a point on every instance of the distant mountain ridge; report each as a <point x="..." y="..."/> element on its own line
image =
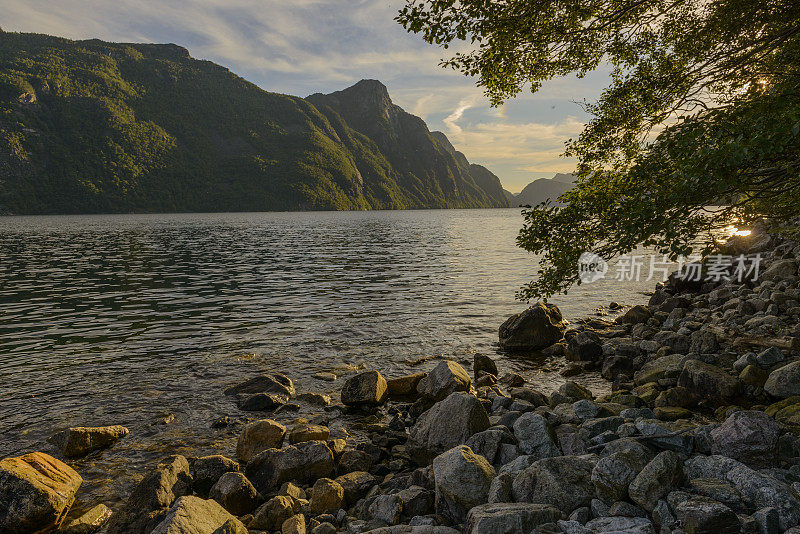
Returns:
<point x="543" y="189"/>
<point x="91" y="126"/>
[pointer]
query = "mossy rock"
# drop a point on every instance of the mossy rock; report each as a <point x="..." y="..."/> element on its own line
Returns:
<point x="753" y="375"/>
<point x="772" y="409"/>
<point x="672" y="413"/>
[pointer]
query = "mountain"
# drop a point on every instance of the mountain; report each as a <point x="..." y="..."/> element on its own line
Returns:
<point x="543" y="189"/>
<point x="91" y="126"/>
<point x="428" y="165"/>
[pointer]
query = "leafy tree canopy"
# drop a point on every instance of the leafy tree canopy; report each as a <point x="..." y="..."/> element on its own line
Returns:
<point x="703" y="108"/>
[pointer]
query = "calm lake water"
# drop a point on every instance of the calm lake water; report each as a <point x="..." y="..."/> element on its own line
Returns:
<point x="128" y="319"/>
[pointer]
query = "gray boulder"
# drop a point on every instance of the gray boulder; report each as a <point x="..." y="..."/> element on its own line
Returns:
<point x="563" y="481"/>
<point x="747" y="436"/>
<point x="446" y="424"/>
<point x="502" y="518"/>
<point x="784" y="381"/>
<point x="780" y="270"/>
<point x="194" y="515"/>
<point x="301" y="463"/>
<point x="538" y="327"/>
<point x="618" y="525"/>
<point x="585" y="346"/>
<point x="705" y="516"/>
<point x="760" y="489"/>
<point x="446" y="378"/>
<point x="462" y="480"/>
<point x="367" y="388"/>
<point x="88" y="522"/>
<point x="534" y="436"/>
<point x="660" y="476"/>
<point x="708" y="381"/>
<point x="769" y="357"/>
<point x="614" y="473"/>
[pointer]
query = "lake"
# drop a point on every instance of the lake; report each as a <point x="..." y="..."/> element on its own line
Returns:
<point x="130" y="319"/>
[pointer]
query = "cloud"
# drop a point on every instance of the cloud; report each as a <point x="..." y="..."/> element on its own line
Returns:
<point x="452" y="119"/>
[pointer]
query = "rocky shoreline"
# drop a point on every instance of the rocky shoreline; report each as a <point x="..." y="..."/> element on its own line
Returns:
<point x="700" y="434"/>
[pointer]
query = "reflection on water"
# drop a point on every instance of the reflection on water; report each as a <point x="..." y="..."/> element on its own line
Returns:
<point x="126" y="319"/>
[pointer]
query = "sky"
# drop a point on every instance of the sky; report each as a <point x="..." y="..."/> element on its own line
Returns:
<point x="300" y="47"/>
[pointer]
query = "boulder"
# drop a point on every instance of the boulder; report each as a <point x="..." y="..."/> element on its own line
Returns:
<point x="272" y="514"/>
<point x="535" y="437"/>
<point x="509" y="518"/>
<point x="327" y="496"/>
<point x="448" y="423"/>
<point x="404" y="386"/>
<point x="705" y="516"/>
<point x="299" y="463"/>
<point x="231" y="526"/>
<point x="707" y="381"/>
<point x="277" y="384"/>
<point x="669" y="366"/>
<point x="89" y="522"/>
<point x="80" y="441"/>
<point x="563" y="481"/>
<point x="356" y="484"/>
<point x="762" y="490"/>
<point x="416" y="501"/>
<point x="192" y="514"/>
<point x="387" y="508"/>
<point x="36" y="493"/>
<point x="481" y="363"/>
<point x="208" y="469"/>
<point x="614" y="473"/>
<point x="150" y="500"/>
<point x="462" y="480"/>
<point x="446" y="378"/>
<point x="259" y="436"/>
<point x="488" y="443"/>
<point x="295" y="525"/>
<point x="367" y="388"/>
<point x="747" y="436"/>
<point x="784" y="381"/>
<point x="660" y="476"/>
<point x="260" y="402"/>
<point x="536" y="328"/>
<point x="306" y="432"/>
<point x="635" y="315"/>
<point x="618" y="525"/>
<point x="235" y="493"/>
<point x="585" y="346"/>
<point x="780" y="270"/>
<point x="355" y="460"/>
<point x="769" y="357"/>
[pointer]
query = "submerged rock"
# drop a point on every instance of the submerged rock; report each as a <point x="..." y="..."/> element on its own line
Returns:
<point x="89" y="522"/>
<point x="36" y="492"/>
<point x="80" y="441"/>
<point x="536" y="328"/>
<point x="277" y="384"/>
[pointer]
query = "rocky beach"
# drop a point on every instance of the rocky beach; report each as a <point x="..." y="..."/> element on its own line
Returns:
<point x="700" y="434"/>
